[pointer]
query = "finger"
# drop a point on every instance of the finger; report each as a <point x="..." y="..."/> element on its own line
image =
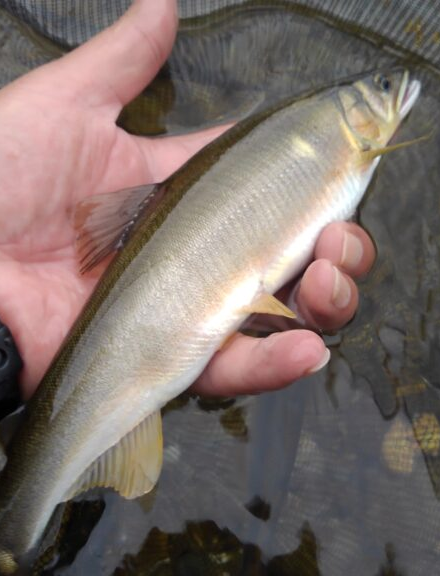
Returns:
<point x="114" y="66"/>
<point x="347" y="246"/>
<point x="326" y="297"/>
<point x="165" y="155"/>
<point x="250" y="365"/>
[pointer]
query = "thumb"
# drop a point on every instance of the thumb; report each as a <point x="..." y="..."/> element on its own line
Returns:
<point x="115" y="66"/>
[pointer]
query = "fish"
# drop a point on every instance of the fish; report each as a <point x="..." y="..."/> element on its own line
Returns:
<point x="197" y="254"/>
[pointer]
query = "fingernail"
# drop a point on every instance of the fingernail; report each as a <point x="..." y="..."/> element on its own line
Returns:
<point x="323" y="362"/>
<point x="352" y="251"/>
<point x="341" y="290"/>
<point x="310" y="355"/>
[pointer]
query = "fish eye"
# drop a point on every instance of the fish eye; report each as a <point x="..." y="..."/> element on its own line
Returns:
<point x="382" y="82"/>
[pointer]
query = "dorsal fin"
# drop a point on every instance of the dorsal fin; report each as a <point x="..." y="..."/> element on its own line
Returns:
<point x="103" y="222"/>
<point x="131" y="467"/>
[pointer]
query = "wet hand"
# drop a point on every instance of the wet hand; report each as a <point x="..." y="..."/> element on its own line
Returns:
<point x="59" y="143"/>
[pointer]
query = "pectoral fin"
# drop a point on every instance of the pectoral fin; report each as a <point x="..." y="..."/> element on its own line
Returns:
<point x="369" y="155"/>
<point x="268" y="304"/>
<point x="103" y="222"/>
<point x="131" y="467"/>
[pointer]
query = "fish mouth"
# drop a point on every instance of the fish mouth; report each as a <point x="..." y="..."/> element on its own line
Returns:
<point x="409" y="91"/>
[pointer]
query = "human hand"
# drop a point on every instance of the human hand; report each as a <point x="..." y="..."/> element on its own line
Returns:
<point x="59" y="144"/>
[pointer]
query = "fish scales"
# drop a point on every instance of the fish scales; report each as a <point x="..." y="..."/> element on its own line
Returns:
<point x="237" y="222"/>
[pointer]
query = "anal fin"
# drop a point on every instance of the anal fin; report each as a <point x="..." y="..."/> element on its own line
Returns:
<point x="268" y="304"/>
<point x="131" y="467"/>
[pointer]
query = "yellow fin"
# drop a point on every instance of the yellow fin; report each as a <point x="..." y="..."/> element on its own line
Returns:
<point x="374" y="152"/>
<point x="268" y="304"/>
<point x="131" y="467"/>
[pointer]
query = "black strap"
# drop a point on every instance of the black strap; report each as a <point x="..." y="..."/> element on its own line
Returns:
<point x="10" y="366"/>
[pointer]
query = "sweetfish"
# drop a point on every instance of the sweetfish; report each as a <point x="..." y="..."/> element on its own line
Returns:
<point x="197" y="254"/>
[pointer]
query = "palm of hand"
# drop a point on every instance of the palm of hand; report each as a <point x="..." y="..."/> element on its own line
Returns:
<point x="59" y="144"/>
<point x="84" y="153"/>
<point x="43" y="292"/>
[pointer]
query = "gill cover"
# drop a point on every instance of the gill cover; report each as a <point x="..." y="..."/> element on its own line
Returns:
<point x="375" y="106"/>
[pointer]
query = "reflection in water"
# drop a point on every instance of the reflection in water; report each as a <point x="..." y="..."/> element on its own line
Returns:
<point x="301" y="562"/>
<point x="234" y="422"/>
<point x="77" y="520"/>
<point x="349" y="460"/>
<point x="259" y="508"/>
<point x="203" y="549"/>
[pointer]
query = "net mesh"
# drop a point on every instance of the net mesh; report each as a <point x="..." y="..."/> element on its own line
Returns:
<point x="411" y="24"/>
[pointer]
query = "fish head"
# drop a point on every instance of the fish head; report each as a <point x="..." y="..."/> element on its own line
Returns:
<point x="385" y="100"/>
